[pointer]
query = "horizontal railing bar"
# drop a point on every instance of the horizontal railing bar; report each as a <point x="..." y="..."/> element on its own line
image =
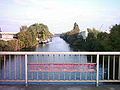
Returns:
<point x="59" y="53"/>
<point x="65" y="70"/>
<point x="109" y="80"/>
<point x="12" y="80"/>
<point x="61" y="80"/>
<point x="61" y="64"/>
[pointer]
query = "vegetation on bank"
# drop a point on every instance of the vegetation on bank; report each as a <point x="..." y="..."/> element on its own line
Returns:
<point x="71" y="35"/>
<point x="27" y="38"/>
<point x="95" y="41"/>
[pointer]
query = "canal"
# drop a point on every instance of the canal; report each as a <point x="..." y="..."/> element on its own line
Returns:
<point x="13" y="66"/>
<point x="57" y="45"/>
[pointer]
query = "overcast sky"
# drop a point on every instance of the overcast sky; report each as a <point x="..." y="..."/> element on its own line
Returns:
<point x="59" y="15"/>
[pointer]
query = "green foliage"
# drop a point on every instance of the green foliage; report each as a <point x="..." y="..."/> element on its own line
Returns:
<point x="3" y="46"/>
<point x="104" y="41"/>
<point x="28" y="39"/>
<point x="15" y="45"/>
<point x="41" y="31"/>
<point x="72" y="35"/>
<point x="76" y="27"/>
<point x="94" y="31"/>
<point x="96" y="40"/>
<point x="115" y="37"/>
<point x="79" y="43"/>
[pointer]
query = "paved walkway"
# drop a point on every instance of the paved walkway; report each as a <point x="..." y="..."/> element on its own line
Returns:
<point x="59" y="87"/>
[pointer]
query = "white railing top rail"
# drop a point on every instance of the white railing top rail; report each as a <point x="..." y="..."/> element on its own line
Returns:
<point x="59" y="53"/>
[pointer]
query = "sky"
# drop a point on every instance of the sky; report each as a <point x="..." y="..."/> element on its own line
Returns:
<point x="59" y="15"/>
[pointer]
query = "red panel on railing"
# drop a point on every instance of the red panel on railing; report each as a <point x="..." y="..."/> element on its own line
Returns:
<point x="61" y="67"/>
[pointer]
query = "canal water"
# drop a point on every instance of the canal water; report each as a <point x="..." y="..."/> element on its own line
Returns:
<point x="57" y="45"/>
<point x="9" y="72"/>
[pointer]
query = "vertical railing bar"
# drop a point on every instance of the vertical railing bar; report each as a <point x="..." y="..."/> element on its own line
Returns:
<point x="64" y="71"/>
<point x="119" y="69"/>
<point x="53" y="62"/>
<point x="91" y="62"/>
<point x="15" y="65"/>
<point x="32" y="72"/>
<point x="20" y="66"/>
<point x="58" y="71"/>
<point x="87" y="72"/>
<point x="97" y="73"/>
<point x="103" y="68"/>
<point x="0" y="67"/>
<point x="80" y="74"/>
<point x="80" y="67"/>
<point x="42" y="75"/>
<point x="37" y="57"/>
<point x="80" y="58"/>
<point x="42" y="72"/>
<point x="75" y="72"/>
<point x="9" y="66"/>
<point x="75" y="75"/>
<point x="71" y="72"/>
<point x="26" y="71"/>
<point x="48" y="62"/>
<point x="4" y="67"/>
<point x="85" y="75"/>
<point x="108" y="67"/>
<point x="91" y="58"/>
<point x="114" y="68"/>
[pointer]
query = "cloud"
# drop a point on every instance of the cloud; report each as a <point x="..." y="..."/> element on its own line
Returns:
<point x="60" y="15"/>
<point x="35" y="1"/>
<point x="20" y="2"/>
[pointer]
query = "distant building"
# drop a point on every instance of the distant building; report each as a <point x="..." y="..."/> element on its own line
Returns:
<point x="8" y="36"/>
<point x="84" y="34"/>
<point x="0" y="30"/>
<point x="23" y="28"/>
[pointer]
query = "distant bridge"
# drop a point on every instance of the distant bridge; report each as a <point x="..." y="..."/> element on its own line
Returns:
<point x="57" y="35"/>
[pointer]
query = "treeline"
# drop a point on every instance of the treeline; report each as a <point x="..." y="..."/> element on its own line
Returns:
<point x="27" y="38"/>
<point x="95" y="41"/>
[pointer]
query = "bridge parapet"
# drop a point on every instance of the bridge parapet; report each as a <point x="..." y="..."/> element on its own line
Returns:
<point x="60" y="66"/>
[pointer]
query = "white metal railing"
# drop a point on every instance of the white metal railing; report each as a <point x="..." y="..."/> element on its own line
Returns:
<point x="107" y="66"/>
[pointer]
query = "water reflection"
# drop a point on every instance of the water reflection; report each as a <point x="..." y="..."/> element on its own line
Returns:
<point x="57" y="45"/>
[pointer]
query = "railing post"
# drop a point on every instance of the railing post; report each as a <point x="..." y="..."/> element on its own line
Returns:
<point x="97" y="73"/>
<point x="26" y="76"/>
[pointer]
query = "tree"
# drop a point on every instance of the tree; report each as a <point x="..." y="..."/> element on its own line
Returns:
<point x="79" y="43"/>
<point x="115" y="37"/>
<point x="72" y="35"/>
<point x="41" y="30"/>
<point x="28" y="39"/>
<point x="90" y="41"/>
<point x="15" y="45"/>
<point x="76" y="27"/>
<point x="104" y="41"/>
<point x="94" y="31"/>
<point x="3" y="46"/>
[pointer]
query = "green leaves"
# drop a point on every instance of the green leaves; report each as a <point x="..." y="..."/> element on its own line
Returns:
<point x="41" y="31"/>
<point x="29" y="37"/>
<point x="115" y="38"/>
